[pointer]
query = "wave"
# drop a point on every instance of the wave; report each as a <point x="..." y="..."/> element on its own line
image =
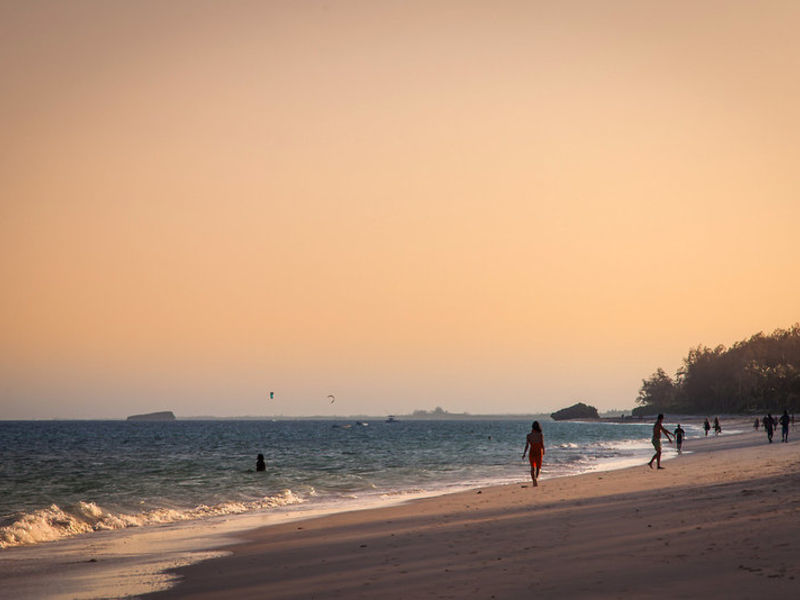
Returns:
<point x="53" y="523"/>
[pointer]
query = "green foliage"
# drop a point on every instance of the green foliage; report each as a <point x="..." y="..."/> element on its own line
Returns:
<point x="658" y="394"/>
<point x="754" y="375"/>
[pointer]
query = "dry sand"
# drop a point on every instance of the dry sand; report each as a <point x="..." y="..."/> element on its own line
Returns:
<point x="722" y="522"/>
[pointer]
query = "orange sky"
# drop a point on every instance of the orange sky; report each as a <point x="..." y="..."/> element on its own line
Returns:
<point x="492" y="207"/>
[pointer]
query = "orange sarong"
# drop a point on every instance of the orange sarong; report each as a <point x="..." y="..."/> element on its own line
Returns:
<point x="535" y="455"/>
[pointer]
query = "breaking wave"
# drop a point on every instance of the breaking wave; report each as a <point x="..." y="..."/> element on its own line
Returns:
<point x="53" y="523"/>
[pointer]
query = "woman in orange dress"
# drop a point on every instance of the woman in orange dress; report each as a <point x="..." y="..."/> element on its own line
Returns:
<point x="534" y="442"/>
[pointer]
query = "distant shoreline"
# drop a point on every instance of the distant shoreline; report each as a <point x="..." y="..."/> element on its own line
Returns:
<point x="401" y="418"/>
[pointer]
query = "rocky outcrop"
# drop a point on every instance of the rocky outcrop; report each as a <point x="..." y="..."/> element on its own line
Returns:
<point x="576" y="411"/>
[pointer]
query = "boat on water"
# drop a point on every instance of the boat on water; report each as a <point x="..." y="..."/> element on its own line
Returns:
<point x="391" y="419"/>
<point x="362" y="423"/>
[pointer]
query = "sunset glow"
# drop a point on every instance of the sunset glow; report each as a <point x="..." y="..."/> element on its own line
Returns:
<point x="489" y="207"/>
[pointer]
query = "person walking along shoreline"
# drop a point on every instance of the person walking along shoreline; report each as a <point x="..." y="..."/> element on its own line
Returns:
<point x="658" y="429"/>
<point x="534" y="441"/>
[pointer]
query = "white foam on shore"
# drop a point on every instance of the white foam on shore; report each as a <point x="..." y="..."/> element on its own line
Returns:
<point x="132" y="560"/>
<point x="54" y="522"/>
<point x="137" y="560"/>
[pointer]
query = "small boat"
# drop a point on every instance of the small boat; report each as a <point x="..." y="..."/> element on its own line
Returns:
<point x="391" y="419"/>
<point x="362" y="423"/>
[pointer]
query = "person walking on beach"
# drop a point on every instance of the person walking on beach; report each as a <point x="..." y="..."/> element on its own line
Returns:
<point x="706" y="426"/>
<point x="679" y="433"/>
<point x="535" y="442"/>
<point x="658" y="429"/>
<point x="717" y="426"/>
<point x="768" y="426"/>
<point x="785" y="420"/>
<point x="755" y="424"/>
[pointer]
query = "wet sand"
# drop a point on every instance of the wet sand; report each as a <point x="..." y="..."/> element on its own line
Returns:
<point x="721" y="522"/>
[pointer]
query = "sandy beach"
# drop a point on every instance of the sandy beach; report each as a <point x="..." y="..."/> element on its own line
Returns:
<point x="719" y="522"/>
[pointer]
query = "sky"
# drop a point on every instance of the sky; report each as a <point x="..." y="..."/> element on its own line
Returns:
<point x="492" y="207"/>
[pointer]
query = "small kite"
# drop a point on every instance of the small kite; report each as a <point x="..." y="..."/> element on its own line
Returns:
<point x="272" y="395"/>
<point x="332" y="398"/>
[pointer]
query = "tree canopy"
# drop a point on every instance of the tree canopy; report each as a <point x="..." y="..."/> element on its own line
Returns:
<point x="759" y="374"/>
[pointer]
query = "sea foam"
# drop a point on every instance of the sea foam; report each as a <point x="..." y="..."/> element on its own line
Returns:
<point x="54" y="522"/>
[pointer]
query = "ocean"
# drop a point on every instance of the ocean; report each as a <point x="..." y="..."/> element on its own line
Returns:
<point x="60" y="479"/>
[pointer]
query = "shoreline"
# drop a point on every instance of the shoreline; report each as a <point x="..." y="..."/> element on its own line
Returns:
<point x="129" y="562"/>
<point x="719" y="521"/>
<point x="54" y="519"/>
<point x="136" y="562"/>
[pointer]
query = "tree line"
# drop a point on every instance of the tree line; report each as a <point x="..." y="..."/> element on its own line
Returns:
<point x="755" y="375"/>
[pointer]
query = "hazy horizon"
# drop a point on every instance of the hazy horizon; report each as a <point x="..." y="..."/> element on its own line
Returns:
<point x="506" y="207"/>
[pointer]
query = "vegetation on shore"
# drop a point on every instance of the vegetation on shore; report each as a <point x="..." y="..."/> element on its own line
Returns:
<point x="755" y="375"/>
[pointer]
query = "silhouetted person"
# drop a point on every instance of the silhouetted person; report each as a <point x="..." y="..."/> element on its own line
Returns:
<point x="717" y="426"/>
<point x="679" y="433"/>
<point x="260" y="464"/>
<point x="769" y="426"/>
<point x="785" y="420"/>
<point x="535" y="441"/>
<point x="706" y="426"/>
<point x="755" y="424"/>
<point x="658" y="429"/>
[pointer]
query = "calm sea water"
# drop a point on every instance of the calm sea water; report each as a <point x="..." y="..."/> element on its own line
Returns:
<point x="61" y="478"/>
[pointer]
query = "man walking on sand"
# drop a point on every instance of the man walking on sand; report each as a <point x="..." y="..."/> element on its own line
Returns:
<point x="658" y="429"/>
<point x="784" y="421"/>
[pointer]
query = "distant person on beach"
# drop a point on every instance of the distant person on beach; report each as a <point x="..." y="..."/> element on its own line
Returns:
<point x="706" y="426"/>
<point x="785" y="420"/>
<point x="260" y="464"/>
<point x="768" y="425"/>
<point x="717" y="426"/>
<point x="534" y="441"/>
<point x="679" y="433"/>
<point x="658" y="429"/>
<point x="755" y="425"/>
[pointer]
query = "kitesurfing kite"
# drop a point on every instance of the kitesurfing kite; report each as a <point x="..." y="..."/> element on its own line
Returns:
<point x="332" y="398"/>
<point x="272" y="395"/>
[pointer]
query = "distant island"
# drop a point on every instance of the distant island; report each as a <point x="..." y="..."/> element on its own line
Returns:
<point x="164" y="415"/>
<point x="576" y="411"/>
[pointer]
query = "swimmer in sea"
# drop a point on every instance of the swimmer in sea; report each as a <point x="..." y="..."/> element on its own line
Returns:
<point x="534" y="441"/>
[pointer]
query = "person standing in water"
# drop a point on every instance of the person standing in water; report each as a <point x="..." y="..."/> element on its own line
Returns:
<point x="534" y="441"/>
<point x="706" y="426"/>
<point x="679" y="433"/>
<point x="658" y="429"/>
<point x="260" y="464"/>
<point x="717" y="426"/>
